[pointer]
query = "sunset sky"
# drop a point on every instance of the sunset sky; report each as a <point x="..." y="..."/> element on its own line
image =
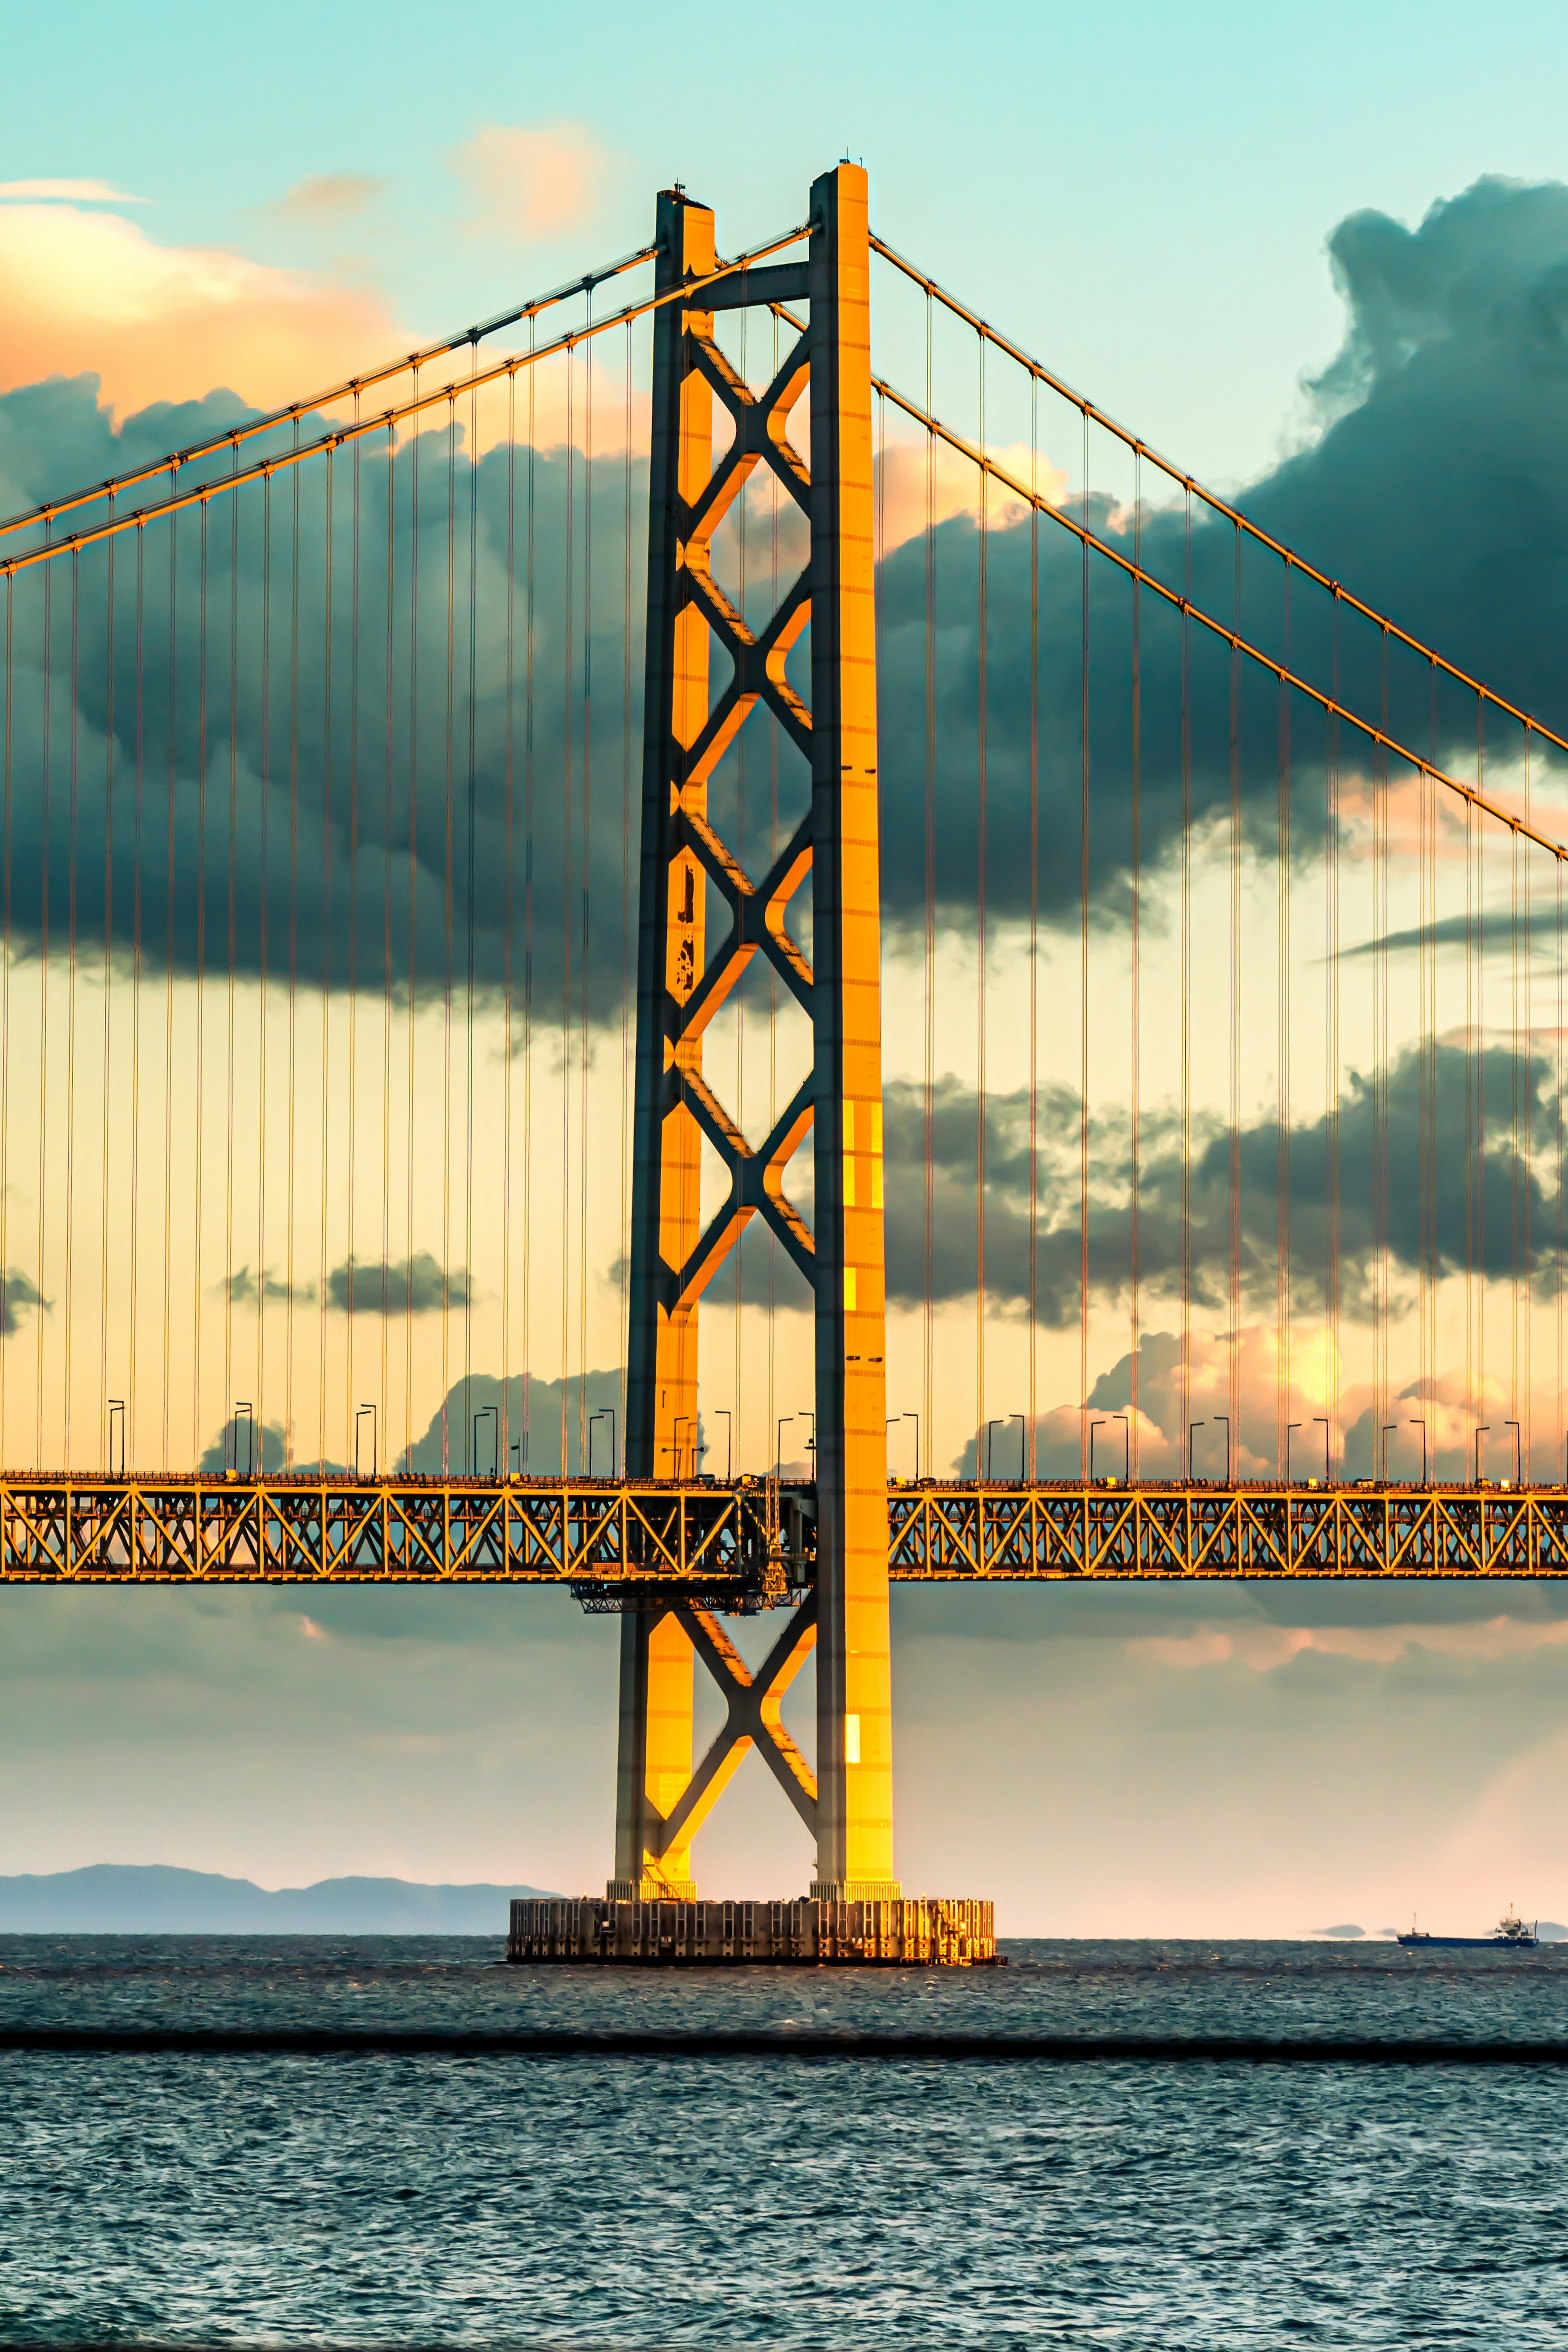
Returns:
<point x="1145" y="198"/>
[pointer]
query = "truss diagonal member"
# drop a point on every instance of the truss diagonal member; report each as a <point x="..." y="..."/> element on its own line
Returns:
<point x="756" y="1187"/>
<point x="752" y="1720"/>
<point x="760" y="432"/>
<point x="757" y="664"/>
<point x="758" y="912"/>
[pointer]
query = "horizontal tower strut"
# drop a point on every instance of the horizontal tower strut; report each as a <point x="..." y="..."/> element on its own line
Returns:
<point x="673" y="1548"/>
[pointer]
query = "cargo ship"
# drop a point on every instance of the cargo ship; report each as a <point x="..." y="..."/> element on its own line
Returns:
<point x="1509" y="1935"/>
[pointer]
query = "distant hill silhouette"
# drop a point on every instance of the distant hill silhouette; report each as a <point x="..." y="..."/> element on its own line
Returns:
<point x="131" y="1899"/>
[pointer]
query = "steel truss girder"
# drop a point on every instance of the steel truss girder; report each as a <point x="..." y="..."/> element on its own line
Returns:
<point x="694" y="1542"/>
<point x="658" y="1544"/>
<point x="999" y="1533"/>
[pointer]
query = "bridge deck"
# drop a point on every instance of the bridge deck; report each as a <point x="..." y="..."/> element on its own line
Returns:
<point x="751" y="1545"/>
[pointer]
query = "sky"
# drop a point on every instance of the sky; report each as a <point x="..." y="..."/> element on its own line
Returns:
<point x="1145" y="198"/>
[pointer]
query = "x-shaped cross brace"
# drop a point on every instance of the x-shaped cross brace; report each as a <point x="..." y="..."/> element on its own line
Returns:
<point x="752" y="1720"/>
<point x="757" y="910"/>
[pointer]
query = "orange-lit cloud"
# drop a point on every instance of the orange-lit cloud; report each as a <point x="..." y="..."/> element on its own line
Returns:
<point x="914" y="485"/>
<point x="90" y="292"/>
<point x="531" y="180"/>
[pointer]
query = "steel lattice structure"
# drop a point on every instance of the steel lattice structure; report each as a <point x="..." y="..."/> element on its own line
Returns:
<point x="655" y="1546"/>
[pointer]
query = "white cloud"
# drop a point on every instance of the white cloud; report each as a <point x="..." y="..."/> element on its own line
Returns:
<point x="81" y="191"/>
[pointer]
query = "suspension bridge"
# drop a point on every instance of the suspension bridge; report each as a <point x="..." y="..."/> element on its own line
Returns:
<point x="424" y="961"/>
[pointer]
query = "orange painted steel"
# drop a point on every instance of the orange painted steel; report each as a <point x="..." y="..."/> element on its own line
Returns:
<point x="646" y="1545"/>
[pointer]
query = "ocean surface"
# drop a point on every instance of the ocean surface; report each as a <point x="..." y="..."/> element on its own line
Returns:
<point x="716" y="2201"/>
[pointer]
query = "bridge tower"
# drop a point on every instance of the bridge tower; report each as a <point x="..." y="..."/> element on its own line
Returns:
<point x="680" y="986"/>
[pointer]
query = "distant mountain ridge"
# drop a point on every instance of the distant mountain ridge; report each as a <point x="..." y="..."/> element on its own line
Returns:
<point x="112" y="1899"/>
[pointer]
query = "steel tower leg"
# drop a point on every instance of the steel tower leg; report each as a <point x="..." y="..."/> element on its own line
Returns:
<point x="854" y="1686"/>
<point x="654" y="1761"/>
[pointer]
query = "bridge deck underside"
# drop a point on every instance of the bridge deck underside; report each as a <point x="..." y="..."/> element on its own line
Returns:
<point x="750" y="1546"/>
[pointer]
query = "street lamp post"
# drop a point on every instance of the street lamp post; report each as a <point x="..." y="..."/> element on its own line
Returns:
<point x="724" y="1414"/>
<point x="359" y="1416"/>
<point x="1023" y="1422"/>
<point x="1484" y="1429"/>
<point x="1289" y="1425"/>
<point x="784" y="1420"/>
<point x="487" y="1411"/>
<point x="1092" y="1427"/>
<point x="1191" y="1426"/>
<point x="1422" y="1427"/>
<point x="1518" y="1454"/>
<point x="1125" y="1419"/>
<point x="1323" y="1417"/>
<point x="1388" y="1427"/>
<point x="1225" y="1417"/>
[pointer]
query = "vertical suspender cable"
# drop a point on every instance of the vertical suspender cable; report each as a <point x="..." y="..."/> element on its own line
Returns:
<point x="624" y="1227"/>
<point x="68" y="1318"/>
<point x="469" y="908"/>
<point x="199" y="993"/>
<point x="1331" y="1040"/>
<point x="929" y="1157"/>
<point x="1032" y="1422"/>
<point x="1282" y="1349"/>
<point x="1135" y="1076"/>
<point x="448" y="824"/>
<point x="528" y="929"/>
<point x="350" y="1137"/>
<point x="326" y="919"/>
<point x="509" y="880"/>
<point x="291" y="1033"/>
<point x="172" y="772"/>
<point x="259" y="1422"/>
<point x="413" y="940"/>
<point x="982" y="944"/>
<point x="389" y="758"/>
<point x="136" y="983"/>
<point x="46" y="785"/>
<point x="586" y="886"/>
<point x="1083" y="985"/>
<point x="1232" y="1189"/>
<point x="568" y="798"/>
<point x="107" y="989"/>
<point x="5" y="852"/>
<point x="1482" y="1268"/>
<point x="1184" y="1073"/>
<point x="229" y="1269"/>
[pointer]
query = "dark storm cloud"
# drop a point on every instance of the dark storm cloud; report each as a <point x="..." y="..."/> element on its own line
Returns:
<point x="413" y="1286"/>
<point x="1435" y="489"/>
<point x="323" y="804"/>
<point x="17" y="1293"/>
<point x="373" y="850"/>
<point x="1402" y="1182"/>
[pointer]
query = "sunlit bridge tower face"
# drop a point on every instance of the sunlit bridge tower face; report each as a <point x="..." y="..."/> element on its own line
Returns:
<point x="680" y="986"/>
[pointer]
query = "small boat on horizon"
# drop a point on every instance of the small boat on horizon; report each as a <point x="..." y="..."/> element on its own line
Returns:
<point x="1509" y="1935"/>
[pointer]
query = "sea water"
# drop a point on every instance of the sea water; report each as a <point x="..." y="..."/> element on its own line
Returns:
<point x="602" y="2202"/>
